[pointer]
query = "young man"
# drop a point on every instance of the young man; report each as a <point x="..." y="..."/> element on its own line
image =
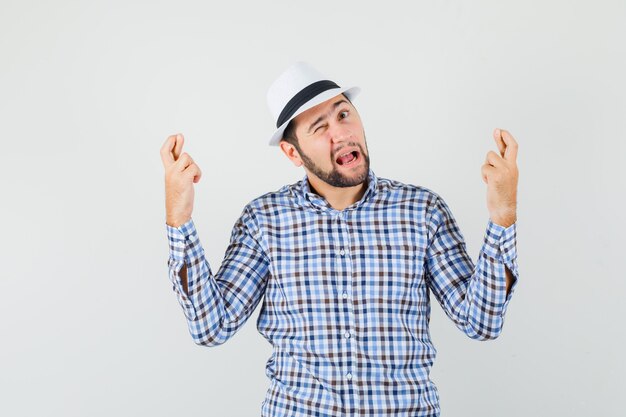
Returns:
<point x="344" y="261"/>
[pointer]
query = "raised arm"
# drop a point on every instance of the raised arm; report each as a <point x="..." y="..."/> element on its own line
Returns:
<point x="475" y="297"/>
<point x="216" y="305"/>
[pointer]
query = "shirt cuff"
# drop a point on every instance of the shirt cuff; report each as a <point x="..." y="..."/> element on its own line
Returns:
<point x="500" y="245"/>
<point x="500" y="242"/>
<point x="182" y="244"/>
<point x="180" y="239"/>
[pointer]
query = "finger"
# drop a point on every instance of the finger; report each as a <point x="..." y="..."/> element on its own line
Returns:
<point x="198" y="176"/>
<point x="499" y="142"/>
<point x="487" y="171"/>
<point x="166" y="152"/>
<point x="179" y="145"/>
<point x="493" y="159"/>
<point x="193" y="171"/>
<point x="511" y="146"/>
<point x="183" y="162"/>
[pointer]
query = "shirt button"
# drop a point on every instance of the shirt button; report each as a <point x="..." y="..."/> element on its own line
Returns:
<point x="345" y="295"/>
<point x="342" y="252"/>
<point x="349" y="375"/>
<point x="347" y="335"/>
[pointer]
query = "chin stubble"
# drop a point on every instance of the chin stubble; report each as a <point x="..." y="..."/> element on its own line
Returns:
<point x="335" y="177"/>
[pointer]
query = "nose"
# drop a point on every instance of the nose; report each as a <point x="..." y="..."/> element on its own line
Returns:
<point x="339" y="133"/>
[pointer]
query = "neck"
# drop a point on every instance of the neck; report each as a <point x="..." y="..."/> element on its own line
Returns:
<point x="338" y="197"/>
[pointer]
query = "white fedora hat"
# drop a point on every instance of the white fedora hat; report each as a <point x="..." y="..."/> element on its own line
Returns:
<point x="297" y="89"/>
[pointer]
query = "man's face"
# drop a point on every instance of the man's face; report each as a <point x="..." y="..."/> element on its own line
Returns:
<point x="325" y="134"/>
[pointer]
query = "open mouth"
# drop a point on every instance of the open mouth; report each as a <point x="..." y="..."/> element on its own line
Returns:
<point x="348" y="159"/>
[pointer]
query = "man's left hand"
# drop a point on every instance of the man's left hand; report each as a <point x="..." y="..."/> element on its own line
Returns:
<point x="500" y="174"/>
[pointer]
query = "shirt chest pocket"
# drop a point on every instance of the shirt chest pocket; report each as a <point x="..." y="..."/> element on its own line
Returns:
<point x="306" y="275"/>
<point x="390" y="271"/>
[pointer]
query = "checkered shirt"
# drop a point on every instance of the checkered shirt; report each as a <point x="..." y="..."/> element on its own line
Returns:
<point x="346" y="302"/>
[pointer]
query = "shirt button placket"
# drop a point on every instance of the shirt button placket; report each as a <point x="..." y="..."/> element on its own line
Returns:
<point x="344" y="260"/>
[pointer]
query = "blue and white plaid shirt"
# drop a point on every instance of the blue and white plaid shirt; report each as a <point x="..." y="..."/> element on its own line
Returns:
<point x="347" y="302"/>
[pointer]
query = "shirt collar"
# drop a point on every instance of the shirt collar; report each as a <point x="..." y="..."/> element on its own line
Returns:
<point x="320" y="202"/>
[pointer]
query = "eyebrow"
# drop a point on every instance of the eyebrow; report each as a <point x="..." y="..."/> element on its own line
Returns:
<point x="319" y="119"/>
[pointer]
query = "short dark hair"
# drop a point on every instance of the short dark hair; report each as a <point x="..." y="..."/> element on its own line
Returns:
<point x="289" y="135"/>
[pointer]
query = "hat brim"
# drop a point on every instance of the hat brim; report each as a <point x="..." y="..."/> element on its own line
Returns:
<point x="350" y="92"/>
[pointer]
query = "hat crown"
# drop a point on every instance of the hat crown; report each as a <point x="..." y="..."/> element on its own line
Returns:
<point x="299" y="88"/>
<point x="289" y="83"/>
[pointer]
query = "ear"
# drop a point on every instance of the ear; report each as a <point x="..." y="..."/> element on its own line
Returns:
<point x="291" y="152"/>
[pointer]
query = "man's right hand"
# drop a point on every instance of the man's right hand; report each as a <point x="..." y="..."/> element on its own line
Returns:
<point x="180" y="174"/>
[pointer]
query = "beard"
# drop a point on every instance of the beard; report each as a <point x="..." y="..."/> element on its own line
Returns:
<point x="335" y="177"/>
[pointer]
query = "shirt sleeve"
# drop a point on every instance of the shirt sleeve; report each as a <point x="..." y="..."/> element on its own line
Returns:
<point x="217" y="305"/>
<point x="473" y="296"/>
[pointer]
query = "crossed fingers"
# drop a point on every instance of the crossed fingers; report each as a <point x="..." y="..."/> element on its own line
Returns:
<point x="173" y="157"/>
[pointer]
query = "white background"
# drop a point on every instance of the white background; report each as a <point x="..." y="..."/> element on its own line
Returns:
<point x="89" y="91"/>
